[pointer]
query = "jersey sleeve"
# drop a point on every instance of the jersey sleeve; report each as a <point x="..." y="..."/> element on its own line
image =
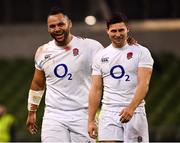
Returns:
<point x="94" y="47"/>
<point x="145" y="59"/>
<point x="96" y="66"/>
<point x="38" y="58"/>
<point x="98" y="47"/>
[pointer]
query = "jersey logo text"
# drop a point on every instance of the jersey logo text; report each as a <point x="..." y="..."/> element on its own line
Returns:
<point x="105" y="60"/>
<point x="61" y="71"/>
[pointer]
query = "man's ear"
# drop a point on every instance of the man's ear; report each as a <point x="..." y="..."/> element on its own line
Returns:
<point x="48" y="30"/>
<point x="70" y="23"/>
<point x="128" y="28"/>
<point x="107" y="30"/>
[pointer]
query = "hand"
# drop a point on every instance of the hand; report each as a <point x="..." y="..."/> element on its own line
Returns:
<point x="126" y="115"/>
<point x="31" y="123"/>
<point x="131" y="41"/>
<point x="92" y="129"/>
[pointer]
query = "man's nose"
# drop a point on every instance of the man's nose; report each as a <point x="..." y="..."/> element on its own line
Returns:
<point x="57" y="28"/>
<point x="118" y="33"/>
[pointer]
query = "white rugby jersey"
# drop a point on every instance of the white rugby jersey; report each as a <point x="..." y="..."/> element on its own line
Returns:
<point x="68" y="72"/>
<point x="118" y="67"/>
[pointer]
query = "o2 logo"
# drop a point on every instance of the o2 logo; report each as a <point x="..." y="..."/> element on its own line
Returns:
<point x="62" y="67"/>
<point x="119" y="69"/>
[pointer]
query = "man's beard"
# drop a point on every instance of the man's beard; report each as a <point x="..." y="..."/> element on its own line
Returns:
<point x="64" y="41"/>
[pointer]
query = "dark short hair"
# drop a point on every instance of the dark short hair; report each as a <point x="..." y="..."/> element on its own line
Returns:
<point x="116" y="18"/>
<point x="56" y="10"/>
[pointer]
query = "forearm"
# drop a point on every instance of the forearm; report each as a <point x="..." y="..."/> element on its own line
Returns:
<point x="94" y="102"/>
<point x="34" y="99"/>
<point x="38" y="81"/>
<point x="36" y="90"/>
<point x="140" y="94"/>
<point x="37" y="85"/>
<point x="144" y="76"/>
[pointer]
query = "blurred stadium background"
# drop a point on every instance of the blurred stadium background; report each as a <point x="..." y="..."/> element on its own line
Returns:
<point x="154" y="23"/>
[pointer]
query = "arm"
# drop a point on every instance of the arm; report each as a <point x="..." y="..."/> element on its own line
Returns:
<point x="94" y="102"/>
<point x="37" y="84"/>
<point x="144" y="76"/>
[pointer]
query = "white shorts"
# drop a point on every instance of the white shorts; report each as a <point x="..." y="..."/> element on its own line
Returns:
<point x="65" y="127"/>
<point x="111" y="129"/>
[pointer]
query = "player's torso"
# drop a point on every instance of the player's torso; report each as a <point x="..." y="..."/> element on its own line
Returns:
<point x="119" y="67"/>
<point x="65" y="65"/>
<point x="68" y="74"/>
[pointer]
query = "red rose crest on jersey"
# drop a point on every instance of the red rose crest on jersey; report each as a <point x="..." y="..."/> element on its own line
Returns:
<point x="75" y="51"/>
<point x="129" y="55"/>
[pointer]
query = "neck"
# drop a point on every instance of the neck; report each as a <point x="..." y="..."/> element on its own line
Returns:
<point x="66" y="42"/>
<point x="120" y="45"/>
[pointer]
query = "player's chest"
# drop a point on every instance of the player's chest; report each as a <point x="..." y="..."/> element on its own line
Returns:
<point x="72" y="60"/>
<point x="127" y="62"/>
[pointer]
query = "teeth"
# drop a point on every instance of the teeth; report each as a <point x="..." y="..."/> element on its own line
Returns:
<point x="59" y="34"/>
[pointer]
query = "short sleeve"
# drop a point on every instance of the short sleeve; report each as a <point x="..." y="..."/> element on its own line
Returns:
<point x="94" y="47"/>
<point x="96" y="66"/>
<point x="38" y="59"/>
<point x="98" y="48"/>
<point x="145" y="59"/>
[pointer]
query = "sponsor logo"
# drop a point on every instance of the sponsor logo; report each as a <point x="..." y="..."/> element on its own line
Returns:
<point x="105" y="60"/>
<point x="139" y="139"/>
<point x="47" y="56"/>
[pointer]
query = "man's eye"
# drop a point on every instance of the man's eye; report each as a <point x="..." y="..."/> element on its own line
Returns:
<point x="61" y="24"/>
<point x="113" y="31"/>
<point x="52" y="26"/>
<point x="120" y="30"/>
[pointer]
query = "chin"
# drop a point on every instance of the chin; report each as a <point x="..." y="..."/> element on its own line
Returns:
<point x="61" y="43"/>
<point x="60" y="40"/>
